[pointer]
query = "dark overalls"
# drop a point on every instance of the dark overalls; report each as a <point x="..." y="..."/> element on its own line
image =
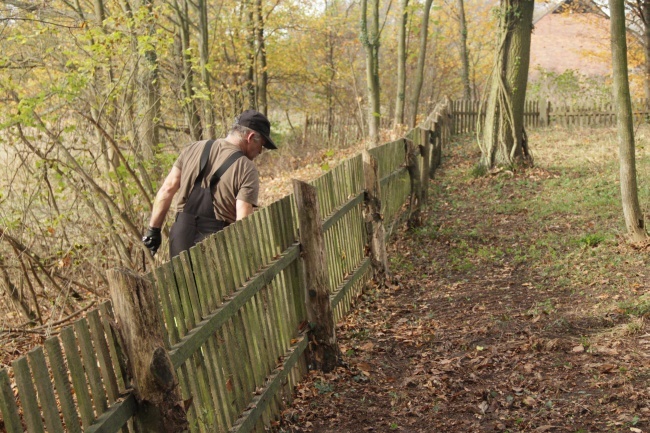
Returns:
<point x="197" y="220"/>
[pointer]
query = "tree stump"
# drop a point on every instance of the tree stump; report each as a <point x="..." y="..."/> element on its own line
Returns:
<point x="412" y="155"/>
<point x="374" y="219"/>
<point x="140" y="328"/>
<point x="324" y="353"/>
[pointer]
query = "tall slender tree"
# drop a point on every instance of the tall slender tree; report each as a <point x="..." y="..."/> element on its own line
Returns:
<point x="184" y="52"/>
<point x="370" y="35"/>
<point x="400" y="94"/>
<point x="204" y="43"/>
<point x="464" y="55"/>
<point x="262" y="68"/>
<point x="149" y="81"/>
<point x="422" y="55"/>
<point x="249" y="6"/>
<point x="629" y="191"/>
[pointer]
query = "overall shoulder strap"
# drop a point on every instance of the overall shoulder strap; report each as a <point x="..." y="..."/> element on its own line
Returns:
<point x="216" y="177"/>
<point x="205" y="155"/>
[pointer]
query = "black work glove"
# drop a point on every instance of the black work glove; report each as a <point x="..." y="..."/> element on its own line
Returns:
<point x="152" y="239"/>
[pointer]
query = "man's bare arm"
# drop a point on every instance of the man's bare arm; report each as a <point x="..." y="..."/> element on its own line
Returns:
<point x="164" y="197"/>
<point x="243" y="209"/>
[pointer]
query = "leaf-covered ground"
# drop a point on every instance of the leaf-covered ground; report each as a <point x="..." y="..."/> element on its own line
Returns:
<point x="517" y="307"/>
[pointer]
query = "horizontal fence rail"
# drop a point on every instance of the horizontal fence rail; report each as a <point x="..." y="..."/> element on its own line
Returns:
<point x="232" y="311"/>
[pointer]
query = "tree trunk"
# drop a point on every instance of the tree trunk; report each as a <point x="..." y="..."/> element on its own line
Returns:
<point x="204" y="41"/>
<point x="373" y="219"/>
<point x="191" y="111"/>
<point x="324" y="353"/>
<point x="629" y="192"/>
<point x="263" y="75"/>
<point x="464" y="55"/>
<point x="401" y="66"/>
<point x="140" y="327"/>
<point x="503" y="142"/>
<point x="645" y="14"/>
<point x="250" y="55"/>
<point x="422" y="56"/>
<point x="329" y="88"/>
<point x="149" y="83"/>
<point x="415" y="198"/>
<point x="370" y="40"/>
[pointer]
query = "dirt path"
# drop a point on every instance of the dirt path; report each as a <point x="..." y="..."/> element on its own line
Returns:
<point x="497" y="323"/>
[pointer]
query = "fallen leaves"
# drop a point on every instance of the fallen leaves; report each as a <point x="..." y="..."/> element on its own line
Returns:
<point x="520" y="341"/>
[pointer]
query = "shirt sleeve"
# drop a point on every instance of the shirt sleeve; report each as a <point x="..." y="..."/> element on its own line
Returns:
<point x="179" y="161"/>
<point x="249" y="184"/>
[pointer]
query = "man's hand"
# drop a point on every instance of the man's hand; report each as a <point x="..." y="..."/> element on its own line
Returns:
<point x="152" y="239"/>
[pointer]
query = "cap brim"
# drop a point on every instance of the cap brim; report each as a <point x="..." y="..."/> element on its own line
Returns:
<point x="269" y="144"/>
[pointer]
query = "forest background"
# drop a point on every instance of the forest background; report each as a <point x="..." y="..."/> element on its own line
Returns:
<point x="99" y="96"/>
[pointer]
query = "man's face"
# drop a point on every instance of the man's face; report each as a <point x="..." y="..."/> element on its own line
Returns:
<point x="254" y="145"/>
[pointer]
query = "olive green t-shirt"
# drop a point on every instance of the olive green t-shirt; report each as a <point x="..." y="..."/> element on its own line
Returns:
<point x="240" y="182"/>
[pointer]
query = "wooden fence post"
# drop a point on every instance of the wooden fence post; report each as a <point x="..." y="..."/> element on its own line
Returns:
<point x="140" y="327"/>
<point x="425" y="152"/>
<point x="435" y="139"/>
<point x="412" y="155"/>
<point x="374" y="219"/>
<point x="545" y="113"/>
<point x="324" y="353"/>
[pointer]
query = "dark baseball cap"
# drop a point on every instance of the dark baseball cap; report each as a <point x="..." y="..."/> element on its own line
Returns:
<point x="259" y="123"/>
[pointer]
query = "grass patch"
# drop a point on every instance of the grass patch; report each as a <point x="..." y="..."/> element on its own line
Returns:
<point x="562" y="219"/>
<point x="639" y="307"/>
<point x="592" y="240"/>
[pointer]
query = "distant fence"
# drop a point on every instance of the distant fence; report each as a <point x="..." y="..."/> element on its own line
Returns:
<point x="549" y="113"/>
<point x="336" y="130"/>
<point x="232" y="310"/>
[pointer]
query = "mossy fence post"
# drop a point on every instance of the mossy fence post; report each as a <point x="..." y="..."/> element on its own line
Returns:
<point x="373" y="218"/>
<point x="425" y="152"/>
<point x="436" y="139"/>
<point x="417" y="164"/>
<point x="323" y="352"/>
<point x="141" y="331"/>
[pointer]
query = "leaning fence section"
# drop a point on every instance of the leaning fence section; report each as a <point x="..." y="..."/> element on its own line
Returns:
<point x="68" y="384"/>
<point x="232" y="312"/>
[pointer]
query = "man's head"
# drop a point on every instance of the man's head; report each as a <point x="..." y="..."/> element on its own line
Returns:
<point x="259" y="123"/>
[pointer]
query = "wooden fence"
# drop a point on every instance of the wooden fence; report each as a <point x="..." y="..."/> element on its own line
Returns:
<point x="336" y="131"/>
<point x="232" y="310"/>
<point x="549" y="113"/>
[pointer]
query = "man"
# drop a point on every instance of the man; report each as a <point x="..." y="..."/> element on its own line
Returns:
<point x="217" y="185"/>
